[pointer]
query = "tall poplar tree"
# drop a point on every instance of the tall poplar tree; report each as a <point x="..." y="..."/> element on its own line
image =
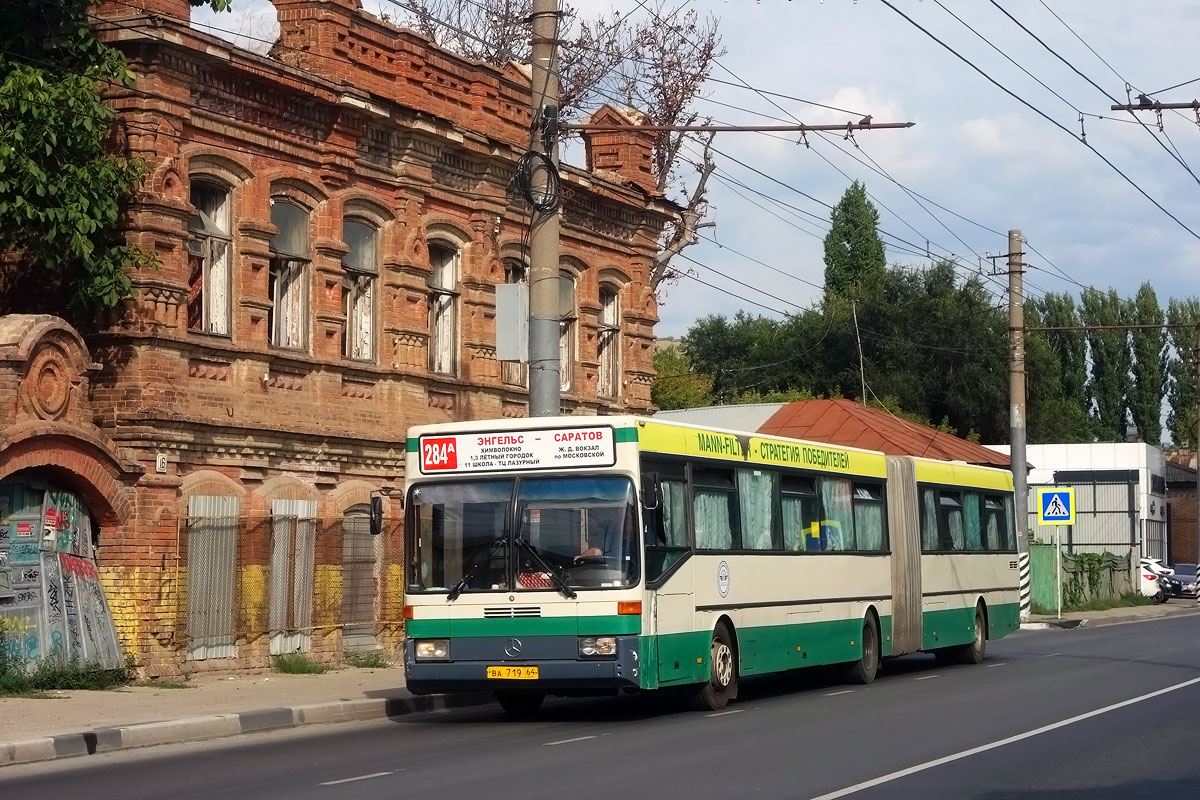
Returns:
<point x="1111" y="362"/>
<point x="1149" y="357"/>
<point x="1181" y="421"/>
<point x="854" y="257"/>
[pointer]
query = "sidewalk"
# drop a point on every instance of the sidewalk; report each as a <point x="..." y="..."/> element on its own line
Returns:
<point x="1091" y="619"/>
<point x="85" y="722"/>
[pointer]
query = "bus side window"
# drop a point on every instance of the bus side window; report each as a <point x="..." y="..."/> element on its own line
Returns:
<point x="801" y="514"/>
<point x="713" y="509"/>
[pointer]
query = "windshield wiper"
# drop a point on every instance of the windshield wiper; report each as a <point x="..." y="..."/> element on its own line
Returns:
<point x="541" y="562"/>
<point x="465" y="581"/>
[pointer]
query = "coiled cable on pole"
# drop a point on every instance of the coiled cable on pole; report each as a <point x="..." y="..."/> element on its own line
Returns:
<point x="547" y="197"/>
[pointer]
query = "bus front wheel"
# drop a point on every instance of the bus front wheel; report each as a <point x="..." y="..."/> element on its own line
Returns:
<point x="721" y="686"/>
<point x="520" y="703"/>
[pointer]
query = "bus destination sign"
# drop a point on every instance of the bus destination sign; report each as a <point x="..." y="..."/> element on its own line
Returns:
<point x="517" y="450"/>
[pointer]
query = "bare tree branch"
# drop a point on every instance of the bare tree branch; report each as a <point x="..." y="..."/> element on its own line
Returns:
<point x="683" y="232"/>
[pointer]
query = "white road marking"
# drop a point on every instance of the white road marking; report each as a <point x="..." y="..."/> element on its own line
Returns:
<point x="937" y="762"/>
<point x="997" y="664"/>
<point x="569" y="741"/>
<point x="726" y="713"/>
<point x="835" y="694"/>
<point x="925" y="677"/>
<point x="358" y="778"/>
<point x="1051" y="655"/>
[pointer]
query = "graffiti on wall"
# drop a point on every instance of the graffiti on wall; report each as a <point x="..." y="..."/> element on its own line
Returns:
<point x="52" y="604"/>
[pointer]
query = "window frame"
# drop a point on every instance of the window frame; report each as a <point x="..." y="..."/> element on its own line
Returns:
<point x="608" y="342"/>
<point x="515" y="373"/>
<point x="568" y="331"/>
<point x="359" y="279"/>
<point x="294" y="267"/>
<point x="204" y="232"/>
<point x="444" y="291"/>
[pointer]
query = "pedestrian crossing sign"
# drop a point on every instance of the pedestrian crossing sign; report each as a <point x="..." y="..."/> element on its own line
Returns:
<point x="1056" y="506"/>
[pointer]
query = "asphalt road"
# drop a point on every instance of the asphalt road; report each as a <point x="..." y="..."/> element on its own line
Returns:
<point x="1097" y="714"/>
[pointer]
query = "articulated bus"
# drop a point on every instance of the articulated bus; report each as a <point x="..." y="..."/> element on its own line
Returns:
<point x="595" y="555"/>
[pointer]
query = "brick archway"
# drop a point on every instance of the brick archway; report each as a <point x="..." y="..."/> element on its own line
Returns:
<point x="79" y="461"/>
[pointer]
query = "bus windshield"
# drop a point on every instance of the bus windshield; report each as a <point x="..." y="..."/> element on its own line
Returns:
<point x="579" y="531"/>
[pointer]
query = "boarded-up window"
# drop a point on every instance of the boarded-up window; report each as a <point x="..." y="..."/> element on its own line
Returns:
<point x="288" y="316"/>
<point x="209" y="257"/>
<point x="293" y="540"/>
<point x="358" y="580"/>
<point x="515" y="372"/>
<point x="358" y="289"/>
<point x="609" y="344"/>
<point x="211" y="572"/>
<point x="443" y="309"/>
<point x="566" y="330"/>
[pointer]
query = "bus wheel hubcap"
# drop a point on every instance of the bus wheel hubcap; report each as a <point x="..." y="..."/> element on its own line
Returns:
<point x="722" y="659"/>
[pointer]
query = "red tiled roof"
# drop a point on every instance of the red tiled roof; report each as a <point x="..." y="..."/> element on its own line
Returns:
<point x="851" y="424"/>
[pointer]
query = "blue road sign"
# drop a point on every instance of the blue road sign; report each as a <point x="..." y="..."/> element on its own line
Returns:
<point x="1056" y="506"/>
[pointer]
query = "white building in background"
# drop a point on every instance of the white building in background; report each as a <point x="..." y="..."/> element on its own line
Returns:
<point x="1120" y="494"/>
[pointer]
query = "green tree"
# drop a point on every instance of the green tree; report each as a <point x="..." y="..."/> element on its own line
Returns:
<point x="854" y="257"/>
<point x="1111" y="361"/>
<point x="1054" y="413"/>
<point x="61" y="186"/>
<point x="676" y="385"/>
<point x="1181" y="421"/>
<point x="1149" y="357"/>
<point x="1070" y="346"/>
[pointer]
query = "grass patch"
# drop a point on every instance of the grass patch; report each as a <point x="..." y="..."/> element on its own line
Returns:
<point x="366" y="659"/>
<point x="298" y="664"/>
<point x="163" y="683"/>
<point x="20" y="679"/>
<point x="1127" y="600"/>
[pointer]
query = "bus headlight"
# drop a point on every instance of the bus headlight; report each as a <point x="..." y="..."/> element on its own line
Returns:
<point x="592" y="646"/>
<point x="433" y="649"/>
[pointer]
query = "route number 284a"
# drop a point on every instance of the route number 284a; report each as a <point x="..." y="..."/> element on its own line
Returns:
<point x="439" y="454"/>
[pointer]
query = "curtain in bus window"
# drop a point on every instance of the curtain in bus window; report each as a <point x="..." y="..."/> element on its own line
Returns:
<point x="929" y="520"/>
<point x="837" y="525"/>
<point x="711" y="511"/>
<point x="972" y="520"/>
<point x="674" y="496"/>
<point x="992" y="524"/>
<point x="868" y="525"/>
<point x="953" y="536"/>
<point x="1010" y="533"/>
<point x="756" y="498"/>
<point x="800" y="513"/>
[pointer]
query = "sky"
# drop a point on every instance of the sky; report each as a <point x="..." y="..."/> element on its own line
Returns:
<point x="984" y="162"/>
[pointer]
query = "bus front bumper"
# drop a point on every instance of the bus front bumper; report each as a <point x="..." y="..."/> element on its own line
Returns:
<point x="554" y="675"/>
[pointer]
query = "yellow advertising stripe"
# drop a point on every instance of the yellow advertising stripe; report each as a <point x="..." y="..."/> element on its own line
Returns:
<point x="700" y="443"/>
<point x="963" y="475"/>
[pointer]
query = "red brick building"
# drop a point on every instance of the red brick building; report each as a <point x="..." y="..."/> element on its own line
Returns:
<point x="331" y="222"/>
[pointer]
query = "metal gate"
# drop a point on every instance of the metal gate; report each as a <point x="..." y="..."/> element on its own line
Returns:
<point x="1106" y="516"/>
<point x="358" y="580"/>
<point x="212" y="529"/>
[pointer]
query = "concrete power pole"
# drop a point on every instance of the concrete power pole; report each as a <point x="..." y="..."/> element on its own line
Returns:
<point x="1016" y="400"/>
<point x="1196" y="445"/>
<point x="545" y="383"/>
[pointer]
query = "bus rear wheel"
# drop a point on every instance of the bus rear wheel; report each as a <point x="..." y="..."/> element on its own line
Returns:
<point x="721" y="686"/>
<point x="520" y="703"/>
<point x="864" y="670"/>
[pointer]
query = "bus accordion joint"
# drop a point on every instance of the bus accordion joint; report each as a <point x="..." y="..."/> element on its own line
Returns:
<point x="626" y="607"/>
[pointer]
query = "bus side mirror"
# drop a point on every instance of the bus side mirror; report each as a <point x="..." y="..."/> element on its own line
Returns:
<point x="376" y="515"/>
<point x="651" y="491"/>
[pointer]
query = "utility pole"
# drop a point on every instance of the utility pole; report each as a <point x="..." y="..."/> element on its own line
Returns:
<point x="545" y="382"/>
<point x="1016" y="387"/>
<point x="1196" y="446"/>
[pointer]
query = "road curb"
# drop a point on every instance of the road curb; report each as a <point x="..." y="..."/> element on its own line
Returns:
<point x="219" y="726"/>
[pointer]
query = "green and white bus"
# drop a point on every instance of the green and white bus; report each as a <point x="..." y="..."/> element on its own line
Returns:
<point x="590" y="555"/>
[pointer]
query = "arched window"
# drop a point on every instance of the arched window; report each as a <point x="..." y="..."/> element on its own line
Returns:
<point x="288" y="317"/>
<point x="361" y="264"/>
<point x="608" y="347"/>
<point x="566" y="329"/>
<point x="210" y="254"/>
<point x="515" y="373"/>
<point x="443" y="308"/>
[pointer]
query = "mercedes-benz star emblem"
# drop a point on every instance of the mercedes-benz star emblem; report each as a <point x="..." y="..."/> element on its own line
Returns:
<point x="513" y="648"/>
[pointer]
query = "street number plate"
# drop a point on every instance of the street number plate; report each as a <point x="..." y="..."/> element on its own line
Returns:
<point x="513" y="673"/>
